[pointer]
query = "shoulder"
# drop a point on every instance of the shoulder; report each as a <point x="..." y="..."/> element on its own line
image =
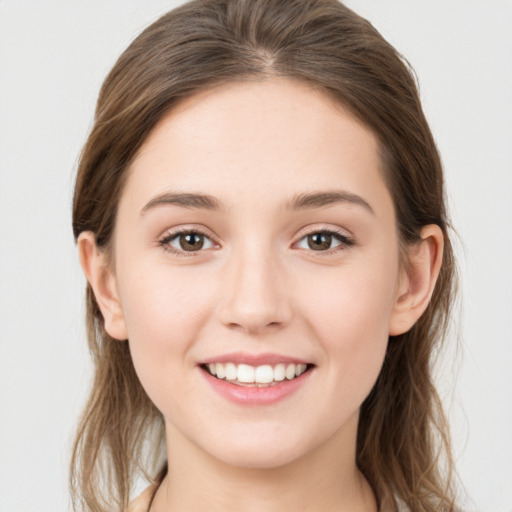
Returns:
<point x="142" y="502"/>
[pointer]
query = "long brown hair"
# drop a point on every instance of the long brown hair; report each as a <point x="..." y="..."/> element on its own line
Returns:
<point x="403" y="445"/>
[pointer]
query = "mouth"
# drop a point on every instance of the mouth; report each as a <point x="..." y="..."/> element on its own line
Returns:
<point x="255" y="376"/>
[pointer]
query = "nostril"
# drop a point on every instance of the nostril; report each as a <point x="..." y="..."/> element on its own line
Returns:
<point x="253" y="325"/>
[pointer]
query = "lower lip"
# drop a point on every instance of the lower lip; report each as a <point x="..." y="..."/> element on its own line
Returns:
<point x="247" y="395"/>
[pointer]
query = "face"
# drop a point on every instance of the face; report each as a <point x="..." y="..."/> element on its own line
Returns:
<point x="256" y="241"/>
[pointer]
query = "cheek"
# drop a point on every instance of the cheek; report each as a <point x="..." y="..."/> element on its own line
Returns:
<point x="349" y="314"/>
<point x="164" y="312"/>
<point x="161" y="302"/>
<point x="351" y="299"/>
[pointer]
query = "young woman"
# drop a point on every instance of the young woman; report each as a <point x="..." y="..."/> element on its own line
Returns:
<point x="259" y="211"/>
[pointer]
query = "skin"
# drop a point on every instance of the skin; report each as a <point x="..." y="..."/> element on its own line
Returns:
<point x="257" y="287"/>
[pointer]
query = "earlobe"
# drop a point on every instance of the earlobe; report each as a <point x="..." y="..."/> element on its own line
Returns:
<point x="100" y="276"/>
<point x="418" y="280"/>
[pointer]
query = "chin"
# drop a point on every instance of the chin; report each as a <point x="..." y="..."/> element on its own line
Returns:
<point x="252" y="458"/>
<point x="260" y="450"/>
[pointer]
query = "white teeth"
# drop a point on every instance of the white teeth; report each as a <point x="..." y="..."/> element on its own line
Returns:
<point x="279" y="372"/>
<point x="220" y="370"/>
<point x="245" y="373"/>
<point x="265" y="374"/>
<point x="300" y="369"/>
<point x="290" y="371"/>
<point x="231" y="371"/>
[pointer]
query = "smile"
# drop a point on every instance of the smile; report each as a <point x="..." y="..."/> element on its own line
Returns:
<point x="255" y="376"/>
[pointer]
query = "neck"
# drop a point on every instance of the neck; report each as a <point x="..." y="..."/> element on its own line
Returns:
<point x="324" y="479"/>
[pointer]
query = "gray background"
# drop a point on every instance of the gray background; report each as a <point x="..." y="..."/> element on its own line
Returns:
<point x="53" y="56"/>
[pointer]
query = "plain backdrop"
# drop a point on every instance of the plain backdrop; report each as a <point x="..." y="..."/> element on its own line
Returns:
<point x="53" y="57"/>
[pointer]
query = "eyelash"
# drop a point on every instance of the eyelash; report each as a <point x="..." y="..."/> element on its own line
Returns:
<point x="346" y="242"/>
<point x="169" y="237"/>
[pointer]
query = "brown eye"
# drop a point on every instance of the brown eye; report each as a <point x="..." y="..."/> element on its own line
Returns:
<point x="186" y="242"/>
<point x="191" y="241"/>
<point x="325" y="241"/>
<point x="319" y="241"/>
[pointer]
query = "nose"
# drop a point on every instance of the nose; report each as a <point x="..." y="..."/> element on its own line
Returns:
<point x="254" y="293"/>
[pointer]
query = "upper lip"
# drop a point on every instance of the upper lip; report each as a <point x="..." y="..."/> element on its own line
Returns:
<point x="254" y="359"/>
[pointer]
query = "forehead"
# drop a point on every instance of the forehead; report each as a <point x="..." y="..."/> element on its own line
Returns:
<point x="263" y="139"/>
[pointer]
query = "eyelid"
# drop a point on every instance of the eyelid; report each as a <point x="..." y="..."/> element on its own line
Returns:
<point x="172" y="233"/>
<point x="346" y="240"/>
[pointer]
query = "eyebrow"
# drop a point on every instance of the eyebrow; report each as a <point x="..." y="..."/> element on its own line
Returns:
<point x="186" y="200"/>
<point x="327" y="198"/>
<point x="302" y="201"/>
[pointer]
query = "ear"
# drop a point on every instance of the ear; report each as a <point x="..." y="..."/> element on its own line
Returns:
<point x="102" y="279"/>
<point x="417" y="280"/>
